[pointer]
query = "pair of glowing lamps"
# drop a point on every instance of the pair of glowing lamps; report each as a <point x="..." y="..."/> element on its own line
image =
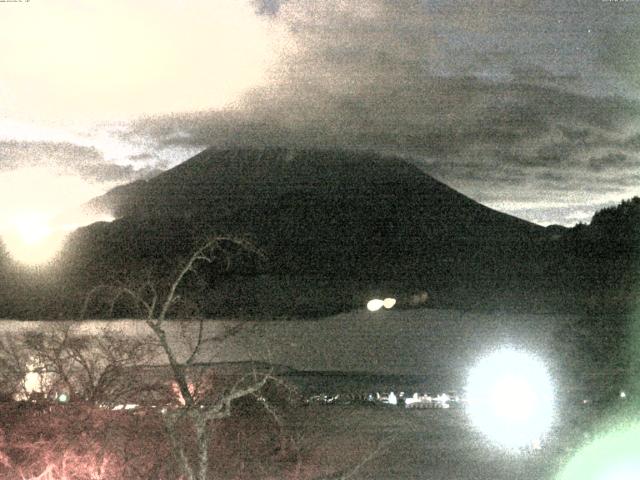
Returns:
<point x="376" y="304"/>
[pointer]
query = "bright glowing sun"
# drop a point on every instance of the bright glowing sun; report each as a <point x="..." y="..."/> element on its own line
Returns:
<point x="31" y="239"/>
<point x="32" y="228"/>
<point x="31" y="206"/>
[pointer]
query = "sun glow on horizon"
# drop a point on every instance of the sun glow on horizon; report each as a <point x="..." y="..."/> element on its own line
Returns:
<point x="32" y="227"/>
<point x="31" y="203"/>
<point x="31" y="239"/>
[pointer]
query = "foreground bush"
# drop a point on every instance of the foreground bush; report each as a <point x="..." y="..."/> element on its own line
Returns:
<point x="82" y="442"/>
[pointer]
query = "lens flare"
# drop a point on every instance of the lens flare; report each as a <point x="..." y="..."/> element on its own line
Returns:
<point x="612" y="456"/>
<point x="510" y="398"/>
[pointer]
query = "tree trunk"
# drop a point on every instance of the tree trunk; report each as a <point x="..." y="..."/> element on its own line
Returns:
<point x="177" y="446"/>
<point x="203" y="446"/>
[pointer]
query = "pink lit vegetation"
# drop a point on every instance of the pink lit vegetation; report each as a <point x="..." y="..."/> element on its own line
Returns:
<point x="191" y="424"/>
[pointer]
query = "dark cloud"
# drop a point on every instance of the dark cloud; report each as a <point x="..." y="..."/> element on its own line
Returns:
<point x="632" y="142"/>
<point x="511" y="124"/>
<point x="15" y="154"/>
<point x="619" y="49"/>
<point x="495" y="94"/>
<point x="267" y="7"/>
<point x="141" y="157"/>
<point x="610" y="161"/>
<point x="65" y="158"/>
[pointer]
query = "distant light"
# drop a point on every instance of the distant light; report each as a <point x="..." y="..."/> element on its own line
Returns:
<point x="33" y="382"/>
<point x="623" y="395"/>
<point x="63" y="398"/>
<point x="612" y="456"/>
<point x="128" y="406"/>
<point x="443" y="400"/>
<point x="510" y="398"/>
<point x="375" y="305"/>
<point x="388" y="303"/>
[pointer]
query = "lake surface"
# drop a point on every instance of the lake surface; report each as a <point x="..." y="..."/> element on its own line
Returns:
<point x="417" y="342"/>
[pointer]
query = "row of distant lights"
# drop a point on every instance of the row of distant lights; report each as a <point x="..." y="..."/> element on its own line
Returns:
<point x="376" y="304"/>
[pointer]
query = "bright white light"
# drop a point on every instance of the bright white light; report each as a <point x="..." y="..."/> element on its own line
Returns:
<point x="62" y="398"/>
<point x="32" y="227"/>
<point x="612" y="455"/>
<point x="156" y="50"/>
<point x="32" y="382"/>
<point x="375" y="305"/>
<point x="623" y="395"/>
<point x="626" y="471"/>
<point x="30" y="238"/>
<point x="30" y="201"/>
<point x="388" y="303"/>
<point x="510" y="398"/>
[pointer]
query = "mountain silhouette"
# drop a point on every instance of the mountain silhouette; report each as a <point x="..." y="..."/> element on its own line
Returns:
<point x="337" y="228"/>
<point x="349" y="224"/>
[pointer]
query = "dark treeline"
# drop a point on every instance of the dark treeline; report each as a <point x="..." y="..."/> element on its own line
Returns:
<point x="587" y="269"/>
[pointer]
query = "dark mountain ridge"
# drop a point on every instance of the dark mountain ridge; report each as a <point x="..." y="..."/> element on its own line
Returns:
<point x="337" y="227"/>
<point x="220" y="182"/>
<point x="349" y="222"/>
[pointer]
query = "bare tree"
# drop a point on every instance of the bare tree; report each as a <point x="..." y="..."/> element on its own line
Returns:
<point x="155" y="308"/>
<point x="14" y="361"/>
<point x="87" y="367"/>
<point x="64" y="359"/>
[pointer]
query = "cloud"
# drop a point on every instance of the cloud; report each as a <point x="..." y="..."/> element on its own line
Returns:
<point x="618" y="49"/>
<point x="490" y="97"/>
<point x="141" y="157"/>
<point x="66" y="158"/>
<point x="268" y="7"/>
<point x="116" y="60"/>
<point x="611" y="161"/>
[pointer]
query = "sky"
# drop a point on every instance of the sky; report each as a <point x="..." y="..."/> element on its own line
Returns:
<point x="529" y="107"/>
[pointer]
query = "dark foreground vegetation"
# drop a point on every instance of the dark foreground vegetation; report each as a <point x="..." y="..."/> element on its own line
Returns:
<point x="81" y="441"/>
<point x="78" y="442"/>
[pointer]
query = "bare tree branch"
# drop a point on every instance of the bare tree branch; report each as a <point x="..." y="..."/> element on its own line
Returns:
<point x="147" y="298"/>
